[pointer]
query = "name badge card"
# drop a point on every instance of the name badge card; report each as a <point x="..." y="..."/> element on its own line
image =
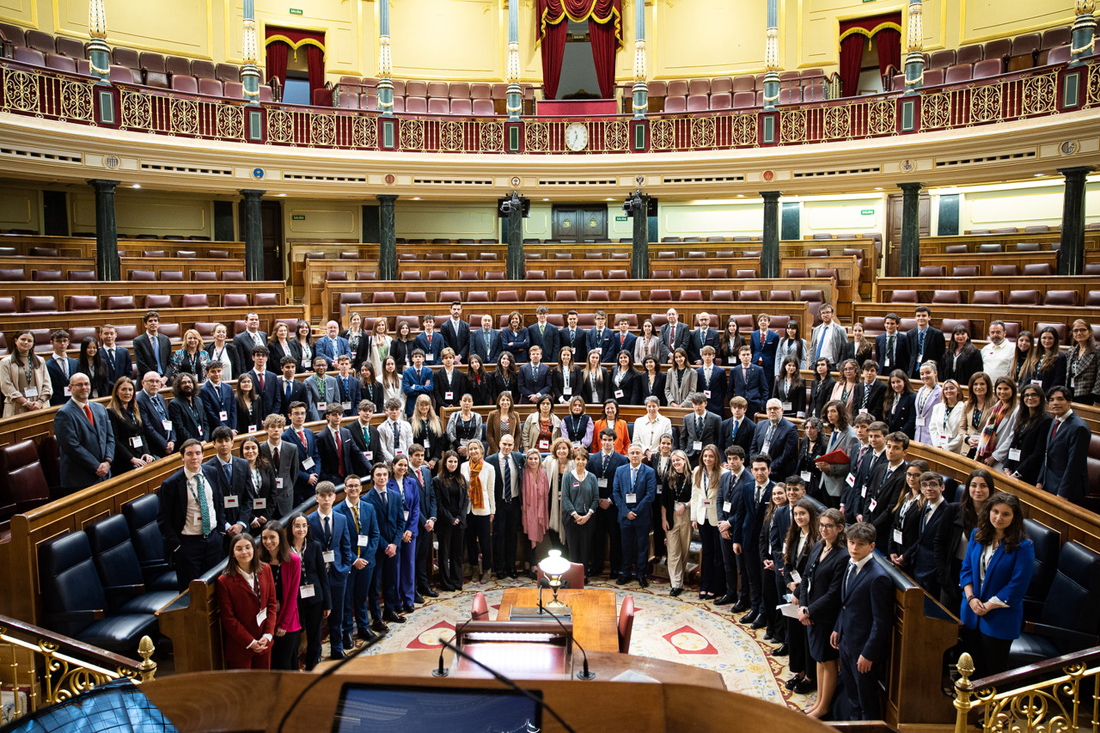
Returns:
<point x="795" y="576"/>
<point x="806" y="476"/>
<point x="1013" y="454"/>
<point x="920" y="422"/>
<point x="278" y="482"/>
<point x="259" y="503"/>
<point x="369" y="454"/>
<point x="406" y="516"/>
<point x="30" y="392"/>
<point x="328" y="556"/>
<point x="346" y="406"/>
<point x="67" y="392"/>
<point x="166" y="425"/>
<point x="618" y="394"/>
<point x="307" y="591"/>
<point x="321" y="407"/>
<point x="544" y="444"/>
<point x="364" y="540"/>
<point x="872" y="505"/>
<point x="223" y="416"/>
<point x="601" y="483"/>
<point x="631" y="498"/>
<point x="307" y="463"/>
<point x="697" y="445"/>
<point x="429" y="357"/>
<point x="261" y="617"/>
<point x="231" y="502"/>
<point x="567" y="391"/>
<point x="136" y="442"/>
<point x="897" y="537"/>
<point x="727" y="507"/>
<point x="251" y="428"/>
<point x="850" y="479"/>
<point x="448" y="395"/>
<point x="787" y="406"/>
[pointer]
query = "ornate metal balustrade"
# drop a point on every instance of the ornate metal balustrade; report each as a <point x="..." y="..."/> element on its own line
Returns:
<point x="1066" y="700"/>
<point x="48" y="668"/>
<point x="47" y="94"/>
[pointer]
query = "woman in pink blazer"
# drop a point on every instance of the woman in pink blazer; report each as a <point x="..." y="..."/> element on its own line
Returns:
<point x="286" y="570"/>
<point x="246" y="599"/>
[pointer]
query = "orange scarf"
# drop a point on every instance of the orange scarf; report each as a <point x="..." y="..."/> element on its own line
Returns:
<point x="477" y="495"/>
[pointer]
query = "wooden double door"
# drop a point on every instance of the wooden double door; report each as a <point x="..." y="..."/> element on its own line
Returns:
<point x="571" y="223"/>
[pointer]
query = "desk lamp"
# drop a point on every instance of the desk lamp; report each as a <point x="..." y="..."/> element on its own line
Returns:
<point x="553" y="567"/>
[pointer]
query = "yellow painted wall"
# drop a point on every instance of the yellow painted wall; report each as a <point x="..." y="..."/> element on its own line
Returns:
<point x="20" y="207"/>
<point x="702" y="218"/>
<point x="991" y="208"/>
<point x="434" y="219"/>
<point x="843" y="216"/>
<point x="334" y="220"/>
<point x="139" y="212"/>
<point x="708" y="38"/>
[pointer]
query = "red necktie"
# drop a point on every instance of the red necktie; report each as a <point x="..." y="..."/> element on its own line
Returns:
<point x="261" y="376"/>
<point x="339" y="453"/>
<point x="302" y="435"/>
<point x="1052" y="432"/>
<point x="88" y="412"/>
<point x="622" y="340"/>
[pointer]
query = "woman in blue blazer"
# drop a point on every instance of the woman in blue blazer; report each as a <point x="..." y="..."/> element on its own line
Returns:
<point x="998" y="564"/>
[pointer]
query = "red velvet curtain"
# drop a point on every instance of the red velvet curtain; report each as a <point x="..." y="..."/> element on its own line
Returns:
<point x="851" y="60"/>
<point x="603" y="55"/>
<point x="315" y="63"/>
<point x="553" y="50"/>
<point x="889" y="49"/>
<point x="277" y="54"/>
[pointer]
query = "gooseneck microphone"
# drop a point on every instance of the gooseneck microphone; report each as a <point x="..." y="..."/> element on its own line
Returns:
<point x="585" y="673"/>
<point x="440" y="670"/>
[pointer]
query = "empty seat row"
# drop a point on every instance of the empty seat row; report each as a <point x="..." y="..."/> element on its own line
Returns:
<point x="1001" y="270"/>
<point x="19" y="274"/>
<point x="1058" y="298"/>
<point x="434" y="89"/>
<point x="75" y="303"/>
<point x="595" y="295"/>
<point x="433" y="106"/>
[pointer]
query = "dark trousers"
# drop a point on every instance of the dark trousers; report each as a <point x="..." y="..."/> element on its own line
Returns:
<point x="284" y="650"/>
<point x="382" y="581"/>
<point x="771" y="582"/>
<point x="712" y="575"/>
<point x="450" y="556"/>
<point x="729" y="567"/>
<point x="861" y="689"/>
<point x="355" y="599"/>
<point x="635" y="543"/>
<point x="423" y="545"/>
<point x="799" y="646"/>
<point x="990" y="655"/>
<point x="659" y="548"/>
<point x="606" y="533"/>
<point x="310" y="617"/>
<point x="195" y="555"/>
<point x="754" y="568"/>
<point x="505" y="537"/>
<point x="337" y="582"/>
<point x="479" y="540"/>
<point x="578" y="537"/>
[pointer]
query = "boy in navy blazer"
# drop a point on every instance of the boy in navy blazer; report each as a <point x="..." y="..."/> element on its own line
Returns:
<point x="764" y="343"/>
<point x="309" y="461"/>
<point x="60" y="367"/>
<point x="927" y="560"/>
<point x="116" y="358"/>
<point x="347" y="386"/>
<point x="456" y="333"/>
<point x="420" y="471"/>
<point x="335" y="455"/>
<point x="430" y="342"/>
<point x="217" y="399"/>
<point x="603" y="464"/>
<point x="416" y="380"/>
<point x="862" y="630"/>
<point x="265" y="383"/>
<point x="333" y="531"/>
<point x="711" y="381"/>
<point x="747" y="380"/>
<point x="601" y="339"/>
<point x="363" y="523"/>
<point x="748" y="518"/>
<point x="1065" y="469"/>
<point x="389" y="506"/>
<point x="572" y="336"/>
<point x="634" y="492"/>
<point x="290" y="390"/>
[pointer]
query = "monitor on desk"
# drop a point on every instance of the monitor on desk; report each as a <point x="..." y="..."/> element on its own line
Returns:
<point x="365" y="708"/>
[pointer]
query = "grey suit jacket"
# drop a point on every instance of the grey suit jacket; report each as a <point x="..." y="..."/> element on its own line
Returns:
<point x="83" y="447"/>
<point x="288" y="472"/>
<point x="837" y="346"/>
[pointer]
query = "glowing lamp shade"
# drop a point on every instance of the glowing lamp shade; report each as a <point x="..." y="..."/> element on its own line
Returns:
<point x="553" y="567"/>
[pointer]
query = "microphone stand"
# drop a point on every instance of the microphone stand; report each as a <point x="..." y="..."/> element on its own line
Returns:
<point x="440" y="670"/>
<point x="585" y="673"/>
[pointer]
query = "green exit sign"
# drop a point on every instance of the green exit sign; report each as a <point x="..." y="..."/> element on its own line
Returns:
<point x="868" y="212"/>
<point x="298" y="217"/>
<point x="298" y="11"/>
<point x="620" y="218"/>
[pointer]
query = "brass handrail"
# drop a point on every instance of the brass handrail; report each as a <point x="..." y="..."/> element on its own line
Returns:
<point x="1050" y="705"/>
<point x="54" y="668"/>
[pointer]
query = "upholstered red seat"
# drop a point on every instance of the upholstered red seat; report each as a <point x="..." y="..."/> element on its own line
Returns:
<point x="156" y="301"/>
<point x="119" y="302"/>
<point x="83" y="303"/>
<point x="195" y="300"/>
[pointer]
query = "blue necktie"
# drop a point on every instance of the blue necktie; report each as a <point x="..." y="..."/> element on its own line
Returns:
<point x="920" y="344"/>
<point x="507" y="488"/>
<point x="820" y="343"/>
<point x="156" y="352"/>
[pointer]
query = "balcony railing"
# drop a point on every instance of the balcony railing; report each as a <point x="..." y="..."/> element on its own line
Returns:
<point x="1039" y="92"/>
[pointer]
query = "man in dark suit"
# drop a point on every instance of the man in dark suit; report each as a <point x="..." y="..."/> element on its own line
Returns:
<point x="739" y="429"/>
<point x="368" y="443"/>
<point x="420" y="471"/>
<point x="389" y="508"/>
<point x="449" y="383"/>
<point x="486" y="342"/>
<point x="282" y="457"/>
<point x="264" y="382"/>
<point x="335" y="447"/>
<point x="545" y="335"/>
<point x="635" y="490"/>
<point x="711" y="381"/>
<point x="507" y="468"/>
<point x="702" y="336"/>
<point x="764" y="343"/>
<point x="573" y="337"/>
<point x="333" y="532"/>
<point x="603" y="465"/>
<point x="674" y="334"/>
<point x="777" y="438"/>
<point x="217" y="399"/>
<point x="365" y="538"/>
<point x="347" y="386"/>
<point x="748" y="518"/>
<point x="937" y="519"/>
<point x="869" y="393"/>
<point x="862" y="461"/>
<point x="456" y="333"/>
<point x="926" y="343"/>
<point x="892" y="347"/>
<point x="156" y="427"/>
<point x="731" y="492"/>
<point x="886" y="483"/>
<point x="534" y="377"/>
<point x="1065" y="469"/>
<point x="191" y="517"/>
<point x="249" y="338"/>
<point x="186" y="410"/>
<point x="60" y="367"/>
<point x="233" y="478"/>
<point x="863" y="628"/>
<point x="85" y="438"/>
<point x="601" y="339"/>
<point x="152" y="349"/>
<point x="116" y="358"/>
<point x="700" y="428"/>
<point x="623" y="339"/>
<point x="307" y="459"/>
<point x="290" y="390"/>
<point x="749" y="381"/>
<point x="430" y="342"/>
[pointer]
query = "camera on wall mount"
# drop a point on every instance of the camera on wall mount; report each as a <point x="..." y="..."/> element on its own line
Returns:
<point x="635" y="203"/>
<point x="515" y="202"/>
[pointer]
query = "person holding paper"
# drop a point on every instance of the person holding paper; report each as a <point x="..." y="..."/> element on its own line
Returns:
<point x="836" y="462"/>
<point x="995" y="575"/>
<point x="246" y="600"/>
<point x="802" y="535"/>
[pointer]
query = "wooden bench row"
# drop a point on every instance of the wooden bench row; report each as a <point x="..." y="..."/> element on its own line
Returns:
<point x="85" y="247"/>
<point x="1007" y="242"/>
<point x="133" y="269"/>
<point x="988" y="289"/>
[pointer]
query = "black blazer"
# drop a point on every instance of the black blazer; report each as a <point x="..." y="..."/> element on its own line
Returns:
<point x="497" y="385"/>
<point x="901" y="353"/>
<point x="372" y="392"/>
<point x="577" y="343"/>
<point x="239" y="485"/>
<point x="819" y="395"/>
<point x="797" y="397"/>
<point x="326" y="450"/>
<point x="452" y="501"/>
<point x="657" y="390"/>
<point x="365" y="454"/>
<point x="401" y="351"/>
<point x="926" y="559"/>
<point x="235" y="357"/>
<point x="188" y="421"/>
<point x="557" y="383"/>
<point x="126" y="428"/>
<point x="278" y="353"/>
<point x="904" y="418"/>
<point x="361" y="351"/>
<point x="1032" y="445"/>
<point x="482" y="393"/>
<point x="459" y="386"/>
<point x="909" y="525"/>
<point x="820" y="589"/>
<point x="874" y="399"/>
<point x="884" y="493"/>
<point x="629" y="387"/>
<point x="934" y="347"/>
<point x="267" y="492"/>
<point x="251" y="420"/>
<point x="806" y="457"/>
<point x="173" y="508"/>
<point x="746" y="431"/>
<point x="968" y="365"/>
<point x="434" y="449"/>
<point x="314" y="573"/>
<point x="143" y="354"/>
<point x="603" y="389"/>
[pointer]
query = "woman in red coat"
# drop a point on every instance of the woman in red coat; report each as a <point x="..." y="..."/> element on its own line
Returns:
<point x="286" y="571"/>
<point x="246" y="599"/>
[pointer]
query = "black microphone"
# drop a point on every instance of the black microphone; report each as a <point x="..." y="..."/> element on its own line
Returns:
<point x="440" y="670"/>
<point x="585" y="673"/>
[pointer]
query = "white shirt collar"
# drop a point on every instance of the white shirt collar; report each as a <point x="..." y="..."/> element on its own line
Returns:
<point x="859" y="565"/>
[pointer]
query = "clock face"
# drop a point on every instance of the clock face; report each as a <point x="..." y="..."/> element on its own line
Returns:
<point x="576" y="136"/>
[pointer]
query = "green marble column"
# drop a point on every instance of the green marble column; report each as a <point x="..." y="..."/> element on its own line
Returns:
<point x="640" y="259"/>
<point x="515" y="267"/>
<point x="769" y="255"/>
<point x="253" y="235"/>
<point x="106" y="233"/>
<point x="1071" y="255"/>
<point x="1084" y="32"/>
<point x="914" y="60"/>
<point x="387" y="224"/>
<point x="910" y="229"/>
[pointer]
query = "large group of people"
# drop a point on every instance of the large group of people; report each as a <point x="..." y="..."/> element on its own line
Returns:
<point x="781" y="518"/>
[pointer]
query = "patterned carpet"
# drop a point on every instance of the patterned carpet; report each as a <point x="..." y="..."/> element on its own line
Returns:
<point x="684" y="630"/>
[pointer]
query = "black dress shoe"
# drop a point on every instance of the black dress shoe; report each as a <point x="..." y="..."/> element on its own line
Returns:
<point x="379" y="626"/>
<point x="804" y="686"/>
<point x="417" y="598"/>
<point x="740" y="607"/>
<point x="790" y="684"/>
<point x="429" y="593"/>
<point x="768" y="638"/>
<point x="366" y="635"/>
<point x="748" y="618"/>
<point x="675" y="592"/>
<point x="407" y="610"/>
<point x="335" y="656"/>
<point x="760" y="621"/>
<point x="442" y="587"/>
<point x="622" y="580"/>
<point x="348" y="642"/>
<point x="781" y="651"/>
<point x="513" y="575"/>
<point x="643" y="582"/>
<point x="392" y="617"/>
<point x="724" y="600"/>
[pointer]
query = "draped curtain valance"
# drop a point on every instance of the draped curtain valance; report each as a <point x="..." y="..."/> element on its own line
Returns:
<point x="552" y="12"/>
